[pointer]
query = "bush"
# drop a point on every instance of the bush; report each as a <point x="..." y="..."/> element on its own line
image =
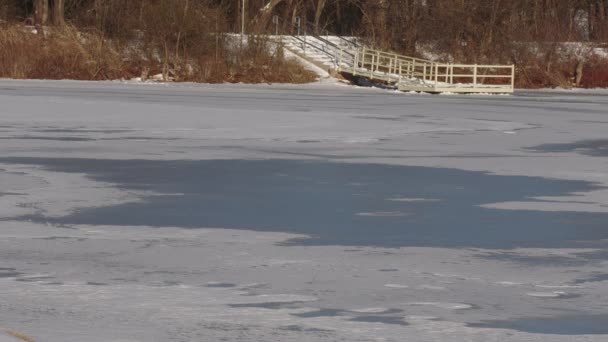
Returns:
<point x="191" y="55"/>
<point x="60" y="54"/>
<point x="595" y="73"/>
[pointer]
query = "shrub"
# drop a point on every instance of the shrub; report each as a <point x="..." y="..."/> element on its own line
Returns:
<point x="67" y="53"/>
<point x="595" y="74"/>
<point x="60" y="54"/>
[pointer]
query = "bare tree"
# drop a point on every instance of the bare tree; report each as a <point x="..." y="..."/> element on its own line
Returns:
<point x="58" y="7"/>
<point x="41" y="12"/>
<point x="319" y="11"/>
<point x="49" y="9"/>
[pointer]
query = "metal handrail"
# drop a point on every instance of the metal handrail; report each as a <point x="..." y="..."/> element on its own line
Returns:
<point x="319" y="37"/>
<point x="329" y="33"/>
<point x="333" y="50"/>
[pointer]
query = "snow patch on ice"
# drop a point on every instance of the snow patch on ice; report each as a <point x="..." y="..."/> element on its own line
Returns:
<point x="554" y="294"/>
<point x="408" y="200"/>
<point x="559" y="286"/>
<point x="373" y="310"/>
<point x="509" y="283"/>
<point x="444" y="305"/>
<point x="432" y="287"/>
<point x="384" y="214"/>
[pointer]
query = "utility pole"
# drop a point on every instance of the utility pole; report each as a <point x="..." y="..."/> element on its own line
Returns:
<point x="242" y="21"/>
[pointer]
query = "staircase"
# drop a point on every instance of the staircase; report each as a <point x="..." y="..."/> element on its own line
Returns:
<point x="348" y="56"/>
<point x="323" y="52"/>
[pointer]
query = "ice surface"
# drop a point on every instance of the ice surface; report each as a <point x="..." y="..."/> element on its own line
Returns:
<point x="69" y="148"/>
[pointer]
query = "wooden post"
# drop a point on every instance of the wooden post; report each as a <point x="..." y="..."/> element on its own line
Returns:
<point x="298" y="23"/>
<point x="371" y="69"/>
<point x="451" y="73"/>
<point x="395" y="64"/>
<point x="356" y="63"/>
<point x="362" y="59"/>
<point x="513" y="76"/>
<point x="475" y="76"/>
<point x="413" y="74"/>
<point x="305" y="41"/>
<point x="436" y="73"/>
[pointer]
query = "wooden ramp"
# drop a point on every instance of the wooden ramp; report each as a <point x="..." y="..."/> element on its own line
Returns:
<point x="346" y="55"/>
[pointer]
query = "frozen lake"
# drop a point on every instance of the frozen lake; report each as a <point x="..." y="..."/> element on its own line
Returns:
<point x="307" y="213"/>
<point x="335" y="203"/>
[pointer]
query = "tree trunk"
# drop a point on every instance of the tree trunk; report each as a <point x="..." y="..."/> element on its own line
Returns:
<point x="382" y="14"/>
<point x="58" y="12"/>
<point x="266" y="11"/>
<point x="578" y="73"/>
<point x="41" y="12"/>
<point x="319" y="12"/>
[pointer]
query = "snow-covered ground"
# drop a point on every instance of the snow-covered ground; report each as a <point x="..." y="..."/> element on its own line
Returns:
<point x="151" y="212"/>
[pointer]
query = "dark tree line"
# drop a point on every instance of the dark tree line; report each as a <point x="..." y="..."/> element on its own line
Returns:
<point x="402" y="23"/>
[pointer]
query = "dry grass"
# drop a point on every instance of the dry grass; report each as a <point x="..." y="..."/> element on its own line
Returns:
<point x="60" y="54"/>
<point x="181" y="39"/>
<point x="562" y="74"/>
<point x="20" y="336"/>
<point x="596" y="73"/>
<point x="70" y="54"/>
<point x="256" y="63"/>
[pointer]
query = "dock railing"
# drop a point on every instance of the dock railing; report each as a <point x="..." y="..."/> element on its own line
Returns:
<point x="407" y="73"/>
<point x="398" y="69"/>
